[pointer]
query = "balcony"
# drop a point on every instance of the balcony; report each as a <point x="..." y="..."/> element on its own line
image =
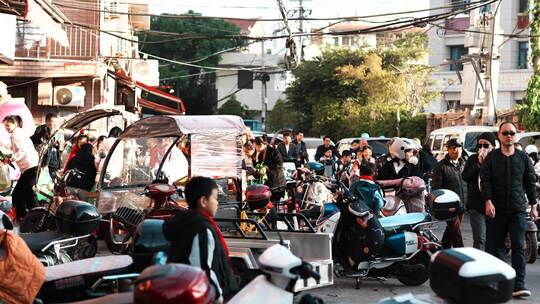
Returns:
<point x="456" y="26"/>
<point x="31" y="42"/>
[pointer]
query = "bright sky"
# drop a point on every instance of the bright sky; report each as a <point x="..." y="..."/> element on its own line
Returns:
<point x="268" y="8"/>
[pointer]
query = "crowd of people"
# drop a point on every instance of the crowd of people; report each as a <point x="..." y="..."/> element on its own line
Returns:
<point x="494" y="184"/>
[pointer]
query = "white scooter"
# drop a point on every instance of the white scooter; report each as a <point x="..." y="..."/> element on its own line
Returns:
<point x="282" y="270"/>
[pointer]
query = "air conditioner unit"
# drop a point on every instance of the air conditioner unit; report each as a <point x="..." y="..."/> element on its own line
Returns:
<point x="69" y="96"/>
<point x="523" y="21"/>
<point x="144" y="70"/>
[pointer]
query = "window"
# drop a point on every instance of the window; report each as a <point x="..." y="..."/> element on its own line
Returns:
<point x="522" y="54"/>
<point x="245" y="79"/>
<point x="454" y="105"/>
<point x="455" y="54"/>
<point x="437" y="143"/>
<point x="462" y="4"/>
<point x="523" y="6"/>
<point x="336" y="41"/>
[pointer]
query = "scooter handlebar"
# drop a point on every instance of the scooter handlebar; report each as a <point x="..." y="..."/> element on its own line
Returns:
<point x="305" y="271"/>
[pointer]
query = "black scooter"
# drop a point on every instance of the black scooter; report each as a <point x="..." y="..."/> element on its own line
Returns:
<point x="71" y="240"/>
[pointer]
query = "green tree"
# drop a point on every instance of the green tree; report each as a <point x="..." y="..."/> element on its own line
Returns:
<point x="196" y="91"/>
<point x="346" y="92"/>
<point x="234" y="107"/>
<point x="283" y="115"/>
<point x="530" y="110"/>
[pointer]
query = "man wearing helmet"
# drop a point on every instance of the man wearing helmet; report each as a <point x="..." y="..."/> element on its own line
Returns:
<point x="532" y="151"/>
<point x="403" y="163"/>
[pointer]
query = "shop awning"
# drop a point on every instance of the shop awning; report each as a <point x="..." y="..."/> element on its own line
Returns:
<point x="157" y="107"/>
<point x="37" y="15"/>
<point x="161" y="94"/>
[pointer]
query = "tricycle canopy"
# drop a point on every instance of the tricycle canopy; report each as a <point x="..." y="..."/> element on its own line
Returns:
<point x="178" y="125"/>
<point x="175" y="147"/>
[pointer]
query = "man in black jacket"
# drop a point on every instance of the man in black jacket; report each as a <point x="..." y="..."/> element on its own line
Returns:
<point x="475" y="203"/>
<point x="504" y="176"/>
<point x="288" y="150"/>
<point x="322" y="148"/>
<point x="196" y="240"/>
<point x="447" y="175"/>
<point x="303" y="156"/>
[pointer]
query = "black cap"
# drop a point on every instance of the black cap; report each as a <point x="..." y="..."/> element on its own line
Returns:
<point x="487" y="136"/>
<point x="454" y="143"/>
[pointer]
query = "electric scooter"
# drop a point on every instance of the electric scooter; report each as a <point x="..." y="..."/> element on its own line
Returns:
<point x="408" y="244"/>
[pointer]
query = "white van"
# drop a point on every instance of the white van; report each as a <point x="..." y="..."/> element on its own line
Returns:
<point x="529" y="138"/>
<point x="467" y="134"/>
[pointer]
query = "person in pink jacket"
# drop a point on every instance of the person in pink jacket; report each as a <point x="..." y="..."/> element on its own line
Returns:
<point x="26" y="157"/>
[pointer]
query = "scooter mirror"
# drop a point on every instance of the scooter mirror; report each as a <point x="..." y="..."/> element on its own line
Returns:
<point x="160" y="258"/>
<point x="6" y="221"/>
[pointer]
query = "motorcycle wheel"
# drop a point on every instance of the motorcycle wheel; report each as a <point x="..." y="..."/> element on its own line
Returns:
<point x="37" y="220"/>
<point x="417" y="279"/>
<point x="531" y="246"/>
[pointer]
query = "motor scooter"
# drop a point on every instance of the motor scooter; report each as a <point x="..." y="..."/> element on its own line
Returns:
<point x="408" y="244"/>
<point x="71" y="240"/>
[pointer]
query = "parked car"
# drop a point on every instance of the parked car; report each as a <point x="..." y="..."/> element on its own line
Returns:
<point x="379" y="144"/>
<point x="467" y="134"/>
<point x="529" y="138"/>
<point x="311" y="145"/>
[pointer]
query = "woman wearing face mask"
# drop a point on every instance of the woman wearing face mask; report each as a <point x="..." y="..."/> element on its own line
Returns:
<point x="475" y="202"/>
<point x="26" y="158"/>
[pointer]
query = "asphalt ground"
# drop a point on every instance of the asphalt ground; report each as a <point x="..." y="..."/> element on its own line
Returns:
<point x="372" y="291"/>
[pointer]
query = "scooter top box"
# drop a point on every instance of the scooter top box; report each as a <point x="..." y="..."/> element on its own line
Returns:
<point x="444" y="204"/>
<point x="468" y="275"/>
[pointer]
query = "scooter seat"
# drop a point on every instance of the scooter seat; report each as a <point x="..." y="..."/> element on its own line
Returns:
<point x="37" y="241"/>
<point x="92" y="266"/>
<point x="403" y="222"/>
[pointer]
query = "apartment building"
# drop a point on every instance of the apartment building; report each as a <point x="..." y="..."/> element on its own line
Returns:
<point x="70" y="63"/>
<point x="448" y="44"/>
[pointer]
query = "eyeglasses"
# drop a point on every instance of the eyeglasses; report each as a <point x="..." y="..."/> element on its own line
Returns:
<point x="508" y="133"/>
<point x="485" y="146"/>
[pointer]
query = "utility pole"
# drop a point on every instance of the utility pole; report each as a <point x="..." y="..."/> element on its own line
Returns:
<point x="301" y="28"/>
<point x="491" y="73"/>
<point x="263" y="92"/>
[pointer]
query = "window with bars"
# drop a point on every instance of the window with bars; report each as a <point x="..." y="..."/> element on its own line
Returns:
<point x="523" y="6"/>
<point x="456" y="52"/>
<point x="523" y="49"/>
<point x="459" y="4"/>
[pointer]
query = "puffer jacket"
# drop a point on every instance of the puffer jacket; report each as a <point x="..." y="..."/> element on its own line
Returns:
<point x="504" y="179"/>
<point x="22" y="274"/>
<point x="446" y="175"/>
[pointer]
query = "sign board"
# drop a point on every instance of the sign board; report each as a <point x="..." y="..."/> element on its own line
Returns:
<point x="80" y="68"/>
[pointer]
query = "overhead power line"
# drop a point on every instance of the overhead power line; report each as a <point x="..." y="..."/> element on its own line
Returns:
<point x="374" y="29"/>
<point x="186" y="16"/>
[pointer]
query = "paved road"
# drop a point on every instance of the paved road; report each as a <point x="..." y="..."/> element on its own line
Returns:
<point x="343" y="290"/>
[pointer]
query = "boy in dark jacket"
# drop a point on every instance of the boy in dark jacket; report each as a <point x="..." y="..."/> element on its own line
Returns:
<point x="367" y="190"/>
<point x="196" y="240"/>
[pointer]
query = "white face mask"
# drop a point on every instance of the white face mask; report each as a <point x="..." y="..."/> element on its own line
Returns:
<point x="413" y="160"/>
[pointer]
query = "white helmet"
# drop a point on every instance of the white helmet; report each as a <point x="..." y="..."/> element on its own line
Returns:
<point x="399" y="145"/>
<point x="531" y="149"/>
